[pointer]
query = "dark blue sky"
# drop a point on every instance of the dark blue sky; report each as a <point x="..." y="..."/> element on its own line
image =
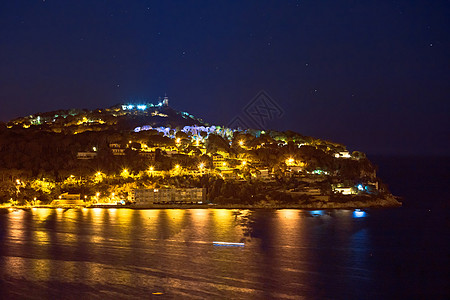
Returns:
<point x="374" y="75"/>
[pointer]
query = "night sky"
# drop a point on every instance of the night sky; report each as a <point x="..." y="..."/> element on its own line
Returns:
<point x="374" y="75"/>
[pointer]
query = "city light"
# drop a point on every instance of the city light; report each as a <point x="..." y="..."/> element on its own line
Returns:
<point x="244" y="163"/>
<point x="290" y="161"/>
<point x="151" y="169"/>
<point x="177" y="166"/>
<point x="142" y="107"/>
<point x="241" y="143"/>
<point x="125" y="173"/>
<point x="201" y="166"/>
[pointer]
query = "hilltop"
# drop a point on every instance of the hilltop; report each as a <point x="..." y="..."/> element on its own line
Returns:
<point x="118" y="117"/>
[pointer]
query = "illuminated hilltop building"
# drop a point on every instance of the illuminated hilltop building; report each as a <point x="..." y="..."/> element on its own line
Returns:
<point x="163" y="103"/>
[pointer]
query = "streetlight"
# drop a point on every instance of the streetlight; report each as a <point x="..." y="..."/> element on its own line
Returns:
<point x="241" y="143"/>
<point x="289" y="161"/>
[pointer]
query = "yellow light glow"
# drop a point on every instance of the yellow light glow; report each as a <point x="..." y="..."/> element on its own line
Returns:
<point x="178" y="140"/>
<point x="124" y="173"/>
<point x="224" y="164"/>
<point x="244" y="163"/>
<point x="151" y="169"/>
<point x="201" y="165"/>
<point x="241" y="143"/>
<point x="177" y="166"/>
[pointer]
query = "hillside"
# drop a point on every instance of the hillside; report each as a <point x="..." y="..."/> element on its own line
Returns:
<point x="118" y="149"/>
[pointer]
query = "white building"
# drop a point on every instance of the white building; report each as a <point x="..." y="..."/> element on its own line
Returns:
<point x="342" y="154"/>
<point x="86" y="155"/>
<point x="164" y="195"/>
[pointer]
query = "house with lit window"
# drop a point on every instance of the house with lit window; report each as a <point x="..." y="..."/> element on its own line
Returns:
<point x="86" y="155"/>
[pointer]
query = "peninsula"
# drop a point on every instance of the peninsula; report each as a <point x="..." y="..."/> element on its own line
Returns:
<point x="147" y="155"/>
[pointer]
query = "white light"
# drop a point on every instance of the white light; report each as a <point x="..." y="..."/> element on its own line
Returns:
<point x="142" y="107"/>
<point x="130" y="106"/>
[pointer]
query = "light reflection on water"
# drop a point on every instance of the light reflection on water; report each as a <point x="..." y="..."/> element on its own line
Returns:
<point x="114" y="253"/>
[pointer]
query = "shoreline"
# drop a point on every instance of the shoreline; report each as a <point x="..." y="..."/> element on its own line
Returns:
<point x="389" y="202"/>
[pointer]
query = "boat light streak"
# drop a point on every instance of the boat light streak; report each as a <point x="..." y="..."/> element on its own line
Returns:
<point x="228" y="244"/>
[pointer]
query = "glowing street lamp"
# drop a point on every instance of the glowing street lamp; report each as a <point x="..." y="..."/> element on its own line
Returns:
<point x="244" y="163"/>
<point x="290" y="161"/>
<point x="177" y="166"/>
<point x="224" y="164"/>
<point x="125" y="173"/>
<point x="241" y="143"/>
<point x="201" y="166"/>
<point x="178" y="140"/>
<point x="151" y="169"/>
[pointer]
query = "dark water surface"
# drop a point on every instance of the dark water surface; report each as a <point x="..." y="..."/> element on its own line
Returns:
<point x="288" y="254"/>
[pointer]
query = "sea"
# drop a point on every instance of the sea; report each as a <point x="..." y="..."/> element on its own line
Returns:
<point x="393" y="253"/>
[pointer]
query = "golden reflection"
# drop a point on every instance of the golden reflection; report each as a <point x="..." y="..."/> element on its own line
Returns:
<point x="42" y="213"/>
<point x="42" y="237"/>
<point x="123" y="218"/>
<point x="149" y="213"/>
<point x="15" y="266"/>
<point x="288" y="213"/>
<point x="199" y="219"/>
<point x="40" y="269"/>
<point x="200" y="214"/>
<point x="149" y="219"/>
<point x="84" y="211"/>
<point x="97" y="213"/>
<point x="176" y="214"/>
<point x="222" y="214"/>
<point x="222" y="219"/>
<point x="112" y="213"/>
